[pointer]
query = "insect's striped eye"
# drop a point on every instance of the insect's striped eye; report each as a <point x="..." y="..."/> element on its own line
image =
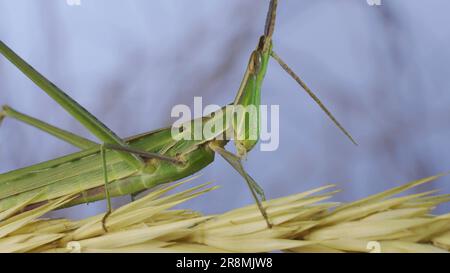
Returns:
<point x="255" y="62"/>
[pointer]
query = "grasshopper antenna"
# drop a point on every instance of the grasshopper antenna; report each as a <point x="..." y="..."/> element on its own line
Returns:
<point x="311" y="94"/>
<point x="270" y="19"/>
<point x="268" y="33"/>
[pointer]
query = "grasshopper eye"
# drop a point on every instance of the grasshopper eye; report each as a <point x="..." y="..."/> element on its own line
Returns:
<point x="255" y="62"/>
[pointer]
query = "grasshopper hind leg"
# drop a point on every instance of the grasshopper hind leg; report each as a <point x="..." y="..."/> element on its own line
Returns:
<point x="71" y="138"/>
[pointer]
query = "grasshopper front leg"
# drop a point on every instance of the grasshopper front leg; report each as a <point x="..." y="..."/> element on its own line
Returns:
<point x="255" y="189"/>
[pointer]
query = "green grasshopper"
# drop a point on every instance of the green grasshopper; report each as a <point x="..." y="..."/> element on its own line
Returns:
<point x="129" y="166"/>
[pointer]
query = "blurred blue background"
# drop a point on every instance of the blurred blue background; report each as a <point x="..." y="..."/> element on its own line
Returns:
<point x="382" y="70"/>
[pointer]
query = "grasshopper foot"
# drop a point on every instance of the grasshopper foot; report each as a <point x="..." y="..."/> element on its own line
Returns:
<point x="104" y="221"/>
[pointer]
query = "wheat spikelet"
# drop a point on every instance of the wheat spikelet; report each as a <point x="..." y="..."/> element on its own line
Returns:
<point x="303" y="222"/>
